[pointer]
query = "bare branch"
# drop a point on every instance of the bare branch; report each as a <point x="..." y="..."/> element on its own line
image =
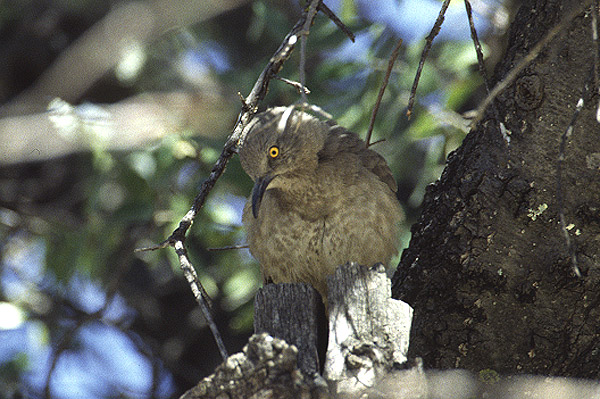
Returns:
<point x="477" y="44"/>
<point x="481" y="64"/>
<point x="330" y="14"/>
<point x="428" y="41"/>
<point x="384" y="84"/>
<point x="297" y="85"/>
<point x="199" y="293"/>
<point x="227" y="248"/>
<point x="311" y="13"/>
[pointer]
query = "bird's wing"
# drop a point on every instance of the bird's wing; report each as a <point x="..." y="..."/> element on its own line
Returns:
<point x="340" y="139"/>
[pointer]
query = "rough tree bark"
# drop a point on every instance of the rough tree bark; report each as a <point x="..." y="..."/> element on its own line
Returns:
<point x="290" y="312"/>
<point x="488" y="270"/>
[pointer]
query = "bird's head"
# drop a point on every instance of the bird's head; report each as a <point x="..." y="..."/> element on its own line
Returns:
<point x="280" y="142"/>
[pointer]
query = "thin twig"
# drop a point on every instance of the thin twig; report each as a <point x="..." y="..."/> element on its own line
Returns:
<point x="428" y="41"/>
<point x="198" y="291"/>
<point x="377" y="142"/>
<point x="477" y="44"/>
<point x="311" y="13"/>
<point x="384" y="84"/>
<point x="330" y="14"/>
<point x="297" y="85"/>
<point x="535" y="51"/>
<point x="227" y="248"/>
<point x="481" y="65"/>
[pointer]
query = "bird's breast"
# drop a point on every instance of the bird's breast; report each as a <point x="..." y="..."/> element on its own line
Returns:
<point x="310" y="198"/>
<point x="305" y="229"/>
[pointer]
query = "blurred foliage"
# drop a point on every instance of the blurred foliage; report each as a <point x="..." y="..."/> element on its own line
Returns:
<point x="82" y="216"/>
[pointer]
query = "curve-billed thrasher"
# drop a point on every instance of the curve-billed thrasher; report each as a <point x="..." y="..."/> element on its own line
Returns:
<point x="320" y="198"/>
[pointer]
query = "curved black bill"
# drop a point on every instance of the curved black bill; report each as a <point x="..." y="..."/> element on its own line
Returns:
<point x="260" y="186"/>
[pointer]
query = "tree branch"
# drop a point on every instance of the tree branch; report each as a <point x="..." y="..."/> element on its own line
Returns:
<point x="384" y="84"/>
<point x="428" y="41"/>
<point x="311" y="12"/>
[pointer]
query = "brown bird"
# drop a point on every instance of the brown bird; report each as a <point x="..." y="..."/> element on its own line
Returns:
<point x="320" y="198"/>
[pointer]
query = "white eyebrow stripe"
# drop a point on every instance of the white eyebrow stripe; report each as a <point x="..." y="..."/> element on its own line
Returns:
<point x="284" y="119"/>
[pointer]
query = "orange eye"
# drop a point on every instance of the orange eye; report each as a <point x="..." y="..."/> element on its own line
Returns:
<point x="274" y="152"/>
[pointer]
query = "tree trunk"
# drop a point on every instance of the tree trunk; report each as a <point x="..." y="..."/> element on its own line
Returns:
<point x="489" y="271"/>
